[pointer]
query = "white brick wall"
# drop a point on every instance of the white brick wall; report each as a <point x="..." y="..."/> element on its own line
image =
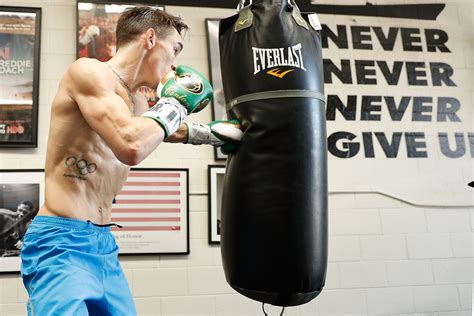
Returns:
<point x="436" y="298"/>
<point x="404" y="273"/>
<point x="363" y="274"/>
<point x="385" y="257"/>
<point x="386" y="247"/>
<point x="423" y="246"/>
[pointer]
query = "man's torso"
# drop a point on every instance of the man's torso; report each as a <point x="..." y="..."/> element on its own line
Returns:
<point x="82" y="174"/>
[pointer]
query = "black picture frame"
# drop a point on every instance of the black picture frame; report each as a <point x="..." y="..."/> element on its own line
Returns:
<point x="184" y="248"/>
<point x="214" y="62"/>
<point x="20" y="129"/>
<point x="17" y="185"/>
<point x="11" y="177"/>
<point x="215" y="176"/>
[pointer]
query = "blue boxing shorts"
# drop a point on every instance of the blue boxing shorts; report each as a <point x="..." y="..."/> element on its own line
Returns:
<point x="71" y="267"/>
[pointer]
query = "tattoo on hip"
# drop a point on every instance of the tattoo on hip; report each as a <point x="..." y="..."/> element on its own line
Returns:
<point x="78" y="168"/>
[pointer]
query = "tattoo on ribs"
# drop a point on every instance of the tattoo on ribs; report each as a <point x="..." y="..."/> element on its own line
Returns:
<point x="78" y="168"/>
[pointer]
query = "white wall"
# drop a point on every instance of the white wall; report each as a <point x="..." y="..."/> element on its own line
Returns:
<point x="385" y="256"/>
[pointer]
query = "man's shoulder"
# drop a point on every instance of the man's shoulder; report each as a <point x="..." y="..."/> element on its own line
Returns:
<point x="88" y="73"/>
<point x="86" y="66"/>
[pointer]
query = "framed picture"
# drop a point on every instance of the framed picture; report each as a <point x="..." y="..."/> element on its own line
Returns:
<point x="96" y="25"/>
<point x="21" y="195"/>
<point x="20" y="29"/>
<point x="218" y="102"/>
<point x="153" y="210"/>
<point x="215" y="183"/>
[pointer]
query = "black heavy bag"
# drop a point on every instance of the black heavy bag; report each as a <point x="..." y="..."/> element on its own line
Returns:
<point x="274" y="209"/>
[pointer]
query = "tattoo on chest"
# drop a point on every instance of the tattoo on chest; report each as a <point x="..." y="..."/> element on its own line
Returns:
<point x="78" y="168"/>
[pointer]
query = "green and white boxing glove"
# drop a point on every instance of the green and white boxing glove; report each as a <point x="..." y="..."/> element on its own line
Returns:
<point x="223" y="134"/>
<point x="185" y="91"/>
<point x="189" y="87"/>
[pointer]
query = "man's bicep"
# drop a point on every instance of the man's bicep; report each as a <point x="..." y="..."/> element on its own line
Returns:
<point x="95" y="95"/>
<point x="106" y="114"/>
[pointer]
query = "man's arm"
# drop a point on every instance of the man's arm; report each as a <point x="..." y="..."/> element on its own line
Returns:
<point x="130" y="138"/>
<point x="141" y="106"/>
<point x="4" y="211"/>
<point x="180" y="136"/>
<point x="223" y="134"/>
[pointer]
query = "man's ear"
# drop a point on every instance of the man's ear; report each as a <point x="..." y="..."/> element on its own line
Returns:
<point x="150" y="38"/>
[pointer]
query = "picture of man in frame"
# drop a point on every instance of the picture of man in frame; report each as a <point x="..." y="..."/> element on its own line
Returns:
<point x="19" y="203"/>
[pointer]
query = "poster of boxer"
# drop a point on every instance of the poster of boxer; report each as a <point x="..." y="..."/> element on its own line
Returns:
<point x="153" y="211"/>
<point x="21" y="192"/>
<point x="216" y="183"/>
<point x="19" y="75"/>
<point x="96" y="24"/>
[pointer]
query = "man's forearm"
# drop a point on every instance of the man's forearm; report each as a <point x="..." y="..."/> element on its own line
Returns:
<point x="180" y="136"/>
<point x="4" y="211"/>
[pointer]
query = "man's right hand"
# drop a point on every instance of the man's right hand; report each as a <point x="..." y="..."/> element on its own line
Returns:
<point x="189" y="87"/>
<point x="184" y="92"/>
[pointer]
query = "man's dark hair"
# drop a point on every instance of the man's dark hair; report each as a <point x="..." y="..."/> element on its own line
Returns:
<point x="135" y="21"/>
<point x="27" y="203"/>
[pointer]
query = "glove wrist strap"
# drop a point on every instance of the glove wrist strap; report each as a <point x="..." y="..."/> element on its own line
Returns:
<point x="169" y="113"/>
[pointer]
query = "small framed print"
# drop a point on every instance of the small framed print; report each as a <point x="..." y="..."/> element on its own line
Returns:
<point x="216" y="184"/>
<point x="20" y="29"/>
<point x="21" y="195"/>
<point x="153" y="210"/>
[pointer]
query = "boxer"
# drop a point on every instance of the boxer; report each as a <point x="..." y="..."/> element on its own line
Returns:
<point x="100" y="126"/>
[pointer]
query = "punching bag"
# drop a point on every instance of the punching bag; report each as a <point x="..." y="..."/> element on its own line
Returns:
<point x="274" y="208"/>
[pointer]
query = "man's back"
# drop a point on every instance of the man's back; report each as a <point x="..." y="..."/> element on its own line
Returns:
<point x="82" y="173"/>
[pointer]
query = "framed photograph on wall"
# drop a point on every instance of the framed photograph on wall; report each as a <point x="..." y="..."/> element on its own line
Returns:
<point x="218" y="102"/>
<point x="96" y="25"/>
<point x="21" y="195"/>
<point x="20" y="29"/>
<point x="153" y="210"/>
<point x="215" y="183"/>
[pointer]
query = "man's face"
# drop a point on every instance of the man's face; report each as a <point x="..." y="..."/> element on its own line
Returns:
<point x="22" y="209"/>
<point x="164" y="54"/>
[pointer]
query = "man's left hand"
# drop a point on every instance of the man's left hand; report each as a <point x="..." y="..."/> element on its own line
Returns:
<point x="224" y="134"/>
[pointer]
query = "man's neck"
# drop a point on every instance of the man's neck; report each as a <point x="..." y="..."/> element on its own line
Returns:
<point x="127" y="63"/>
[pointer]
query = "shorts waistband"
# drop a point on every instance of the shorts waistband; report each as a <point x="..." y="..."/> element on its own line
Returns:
<point x="70" y="223"/>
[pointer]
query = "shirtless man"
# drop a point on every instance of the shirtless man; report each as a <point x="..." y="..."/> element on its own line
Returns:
<point x="100" y="126"/>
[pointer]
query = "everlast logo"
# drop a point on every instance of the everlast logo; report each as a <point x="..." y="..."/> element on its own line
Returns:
<point x="264" y="58"/>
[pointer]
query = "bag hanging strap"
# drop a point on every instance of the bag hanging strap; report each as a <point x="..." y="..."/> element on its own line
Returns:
<point x="296" y="13"/>
<point x="245" y="19"/>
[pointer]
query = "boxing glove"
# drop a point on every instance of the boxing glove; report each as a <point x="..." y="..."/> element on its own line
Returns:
<point x="184" y="91"/>
<point x="223" y="134"/>
<point x="189" y="87"/>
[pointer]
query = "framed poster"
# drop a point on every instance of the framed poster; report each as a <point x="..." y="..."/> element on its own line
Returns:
<point x="21" y="195"/>
<point x="20" y="29"/>
<point x="153" y="210"/>
<point x="215" y="183"/>
<point x="96" y="25"/>
<point x="218" y="102"/>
